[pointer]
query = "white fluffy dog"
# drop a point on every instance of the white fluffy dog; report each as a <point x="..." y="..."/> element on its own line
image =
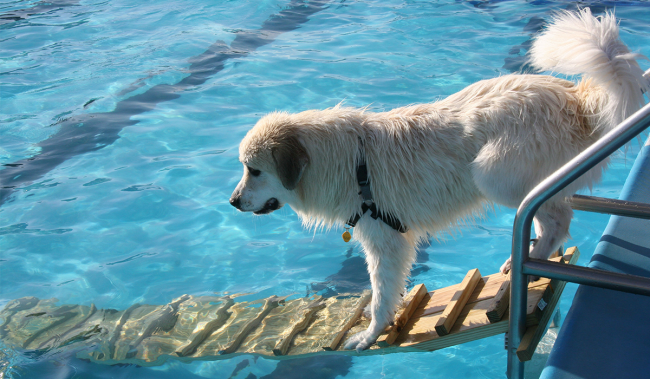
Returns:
<point x="428" y="166"/>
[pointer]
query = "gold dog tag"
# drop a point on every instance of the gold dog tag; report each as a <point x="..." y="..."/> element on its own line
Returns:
<point x="346" y="235"/>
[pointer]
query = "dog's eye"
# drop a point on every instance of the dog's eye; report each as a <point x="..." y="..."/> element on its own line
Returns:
<point x="254" y="172"/>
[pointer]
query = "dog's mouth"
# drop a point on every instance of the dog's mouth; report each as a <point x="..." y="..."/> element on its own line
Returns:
<point x="270" y="205"/>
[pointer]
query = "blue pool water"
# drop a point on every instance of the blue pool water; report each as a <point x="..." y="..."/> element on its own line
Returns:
<point x="133" y="112"/>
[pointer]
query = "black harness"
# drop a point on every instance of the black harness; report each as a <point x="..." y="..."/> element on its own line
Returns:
<point x="369" y="204"/>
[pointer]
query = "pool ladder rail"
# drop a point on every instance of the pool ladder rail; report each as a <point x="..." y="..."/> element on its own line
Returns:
<point x="523" y="265"/>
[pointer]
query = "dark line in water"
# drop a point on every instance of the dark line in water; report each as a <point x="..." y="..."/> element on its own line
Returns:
<point x="90" y="132"/>
<point x="40" y="8"/>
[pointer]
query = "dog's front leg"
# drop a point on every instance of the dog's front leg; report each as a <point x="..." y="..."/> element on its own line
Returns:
<point x="389" y="256"/>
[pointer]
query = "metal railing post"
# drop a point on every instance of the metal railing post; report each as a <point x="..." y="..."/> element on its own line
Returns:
<point x="564" y="176"/>
<point x="518" y="295"/>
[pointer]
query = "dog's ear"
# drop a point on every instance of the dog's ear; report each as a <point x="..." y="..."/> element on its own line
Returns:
<point x="290" y="160"/>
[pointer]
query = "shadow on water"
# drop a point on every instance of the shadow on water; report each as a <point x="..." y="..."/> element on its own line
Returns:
<point x="315" y="367"/>
<point x="323" y="367"/>
<point x="64" y="367"/>
<point x="68" y="366"/>
<point x="90" y="132"/>
<point x="353" y="276"/>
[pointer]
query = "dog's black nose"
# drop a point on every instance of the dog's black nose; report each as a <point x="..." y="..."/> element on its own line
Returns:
<point x="236" y="202"/>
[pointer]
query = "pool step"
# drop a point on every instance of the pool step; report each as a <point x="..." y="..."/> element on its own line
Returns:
<point x="218" y="327"/>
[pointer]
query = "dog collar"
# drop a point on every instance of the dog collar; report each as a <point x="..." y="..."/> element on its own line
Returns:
<point x="368" y="203"/>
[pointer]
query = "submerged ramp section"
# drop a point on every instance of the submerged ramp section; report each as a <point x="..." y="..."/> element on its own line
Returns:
<point x="187" y="328"/>
<point x="218" y="327"/>
<point x="605" y="333"/>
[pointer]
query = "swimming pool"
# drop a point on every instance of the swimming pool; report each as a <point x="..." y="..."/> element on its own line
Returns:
<point x="133" y="113"/>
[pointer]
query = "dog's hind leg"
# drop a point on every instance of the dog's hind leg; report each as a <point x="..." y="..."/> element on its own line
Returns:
<point x="505" y="267"/>
<point x="551" y="222"/>
<point x="389" y="256"/>
<point x="554" y="219"/>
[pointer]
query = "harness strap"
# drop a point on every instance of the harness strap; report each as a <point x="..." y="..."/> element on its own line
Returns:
<point x="364" y="182"/>
<point x="369" y="204"/>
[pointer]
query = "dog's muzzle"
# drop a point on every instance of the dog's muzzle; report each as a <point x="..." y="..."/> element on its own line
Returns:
<point x="270" y="205"/>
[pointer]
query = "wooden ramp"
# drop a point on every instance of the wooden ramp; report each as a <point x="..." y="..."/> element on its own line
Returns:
<point x="209" y="328"/>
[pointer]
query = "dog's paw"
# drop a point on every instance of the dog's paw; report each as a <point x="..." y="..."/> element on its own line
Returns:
<point x="360" y="341"/>
<point x="505" y="267"/>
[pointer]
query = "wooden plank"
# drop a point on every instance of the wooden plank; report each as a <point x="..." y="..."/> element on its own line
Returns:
<point x="526" y="341"/>
<point x="571" y="256"/>
<point x="538" y="292"/>
<point x="269" y="304"/>
<point x="308" y="313"/>
<point x="68" y="334"/>
<point x="486" y="288"/>
<point x="112" y="342"/>
<point x="411" y="302"/>
<point x="534" y="334"/>
<point x="502" y="298"/>
<point x="500" y="302"/>
<point x="352" y="319"/>
<point x="468" y="335"/>
<point x="455" y="306"/>
<point x="199" y="336"/>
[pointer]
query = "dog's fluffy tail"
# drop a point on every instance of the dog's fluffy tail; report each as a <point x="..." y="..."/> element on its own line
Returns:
<point x="580" y="43"/>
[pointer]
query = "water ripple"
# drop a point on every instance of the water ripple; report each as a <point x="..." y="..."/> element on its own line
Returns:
<point x="22" y="229"/>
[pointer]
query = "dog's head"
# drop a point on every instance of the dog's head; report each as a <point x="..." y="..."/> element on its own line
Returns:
<point x="274" y="161"/>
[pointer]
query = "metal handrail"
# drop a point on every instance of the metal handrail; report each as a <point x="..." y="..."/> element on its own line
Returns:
<point x="522" y="265"/>
<point x="610" y="206"/>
